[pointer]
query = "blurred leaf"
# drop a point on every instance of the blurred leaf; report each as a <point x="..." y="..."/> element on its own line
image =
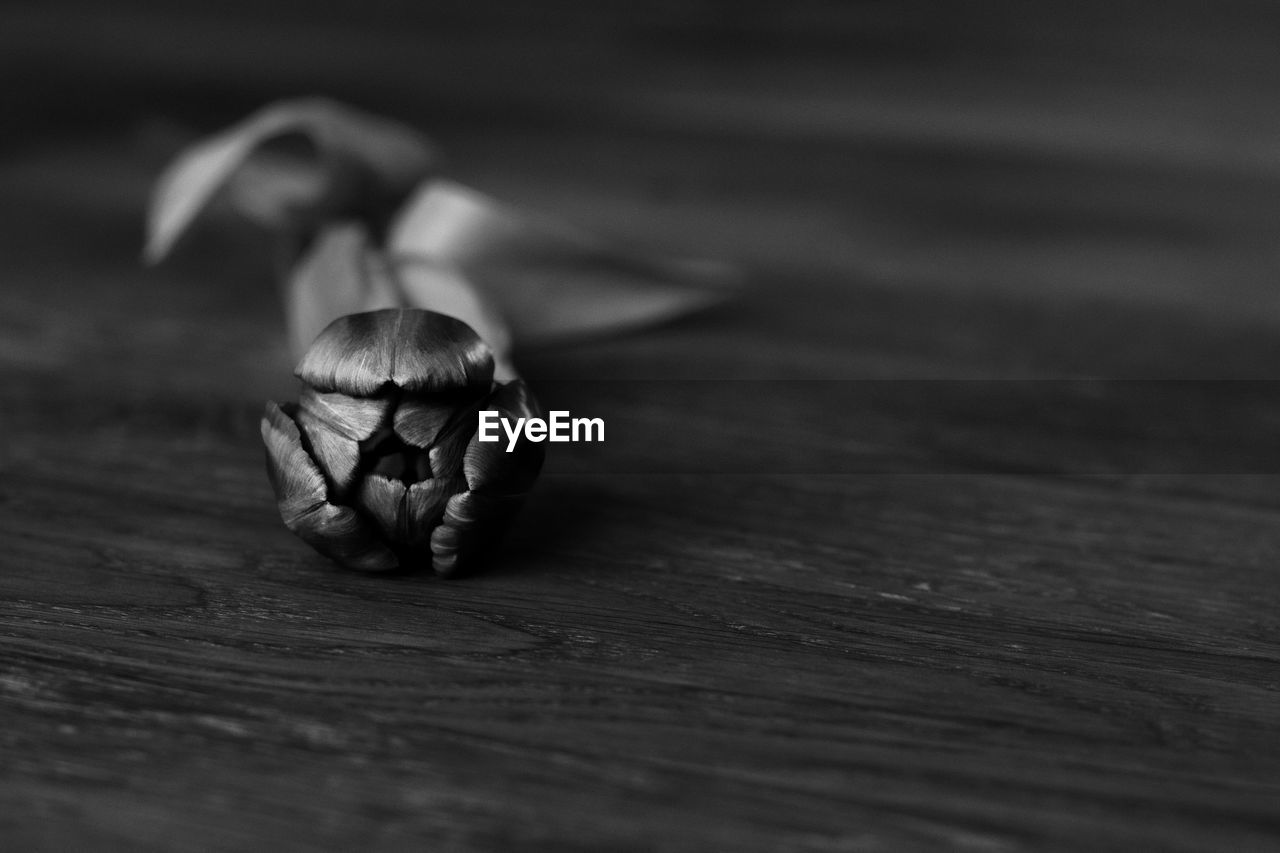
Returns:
<point x="389" y="158"/>
<point x="300" y="166"/>
<point x="343" y="274"/>
<point x="443" y="289"/>
<point x="550" y="280"/>
<point x="273" y="189"/>
<point x="340" y="274"/>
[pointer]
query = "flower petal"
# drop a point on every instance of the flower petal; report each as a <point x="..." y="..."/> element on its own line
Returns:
<point x="450" y="548"/>
<point x="419" y="420"/>
<point x="383" y="499"/>
<point x="335" y="531"/>
<point x="451" y="447"/>
<point x="343" y="536"/>
<point x="442" y="288"/>
<point x="357" y="418"/>
<point x="473" y="511"/>
<point x="337" y="455"/>
<point x="435" y="353"/>
<point x="418" y="351"/>
<point x="471" y="525"/>
<point x="424" y="507"/>
<point x="297" y="480"/>
<point x="354" y="354"/>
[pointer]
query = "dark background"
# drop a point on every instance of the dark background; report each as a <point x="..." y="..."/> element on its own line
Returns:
<point x="1053" y="627"/>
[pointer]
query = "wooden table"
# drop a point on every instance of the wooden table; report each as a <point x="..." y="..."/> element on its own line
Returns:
<point x="883" y="557"/>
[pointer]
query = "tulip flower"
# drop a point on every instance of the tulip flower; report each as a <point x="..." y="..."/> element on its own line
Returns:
<point x="377" y="465"/>
<point x="419" y="289"/>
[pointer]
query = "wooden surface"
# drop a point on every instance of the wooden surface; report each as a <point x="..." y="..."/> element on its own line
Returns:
<point x="953" y="616"/>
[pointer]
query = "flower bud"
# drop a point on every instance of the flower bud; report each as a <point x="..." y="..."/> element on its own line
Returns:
<point x="378" y="465"/>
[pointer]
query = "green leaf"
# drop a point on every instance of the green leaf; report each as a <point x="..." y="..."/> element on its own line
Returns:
<point x="351" y="154"/>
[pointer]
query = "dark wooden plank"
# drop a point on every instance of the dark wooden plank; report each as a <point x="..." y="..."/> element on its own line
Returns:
<point x="915" y="546"/>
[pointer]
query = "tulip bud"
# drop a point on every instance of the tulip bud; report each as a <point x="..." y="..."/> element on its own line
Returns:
<point x="378" y="465"/>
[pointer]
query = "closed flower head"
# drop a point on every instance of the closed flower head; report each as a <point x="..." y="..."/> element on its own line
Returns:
<point x="377" y="465"/>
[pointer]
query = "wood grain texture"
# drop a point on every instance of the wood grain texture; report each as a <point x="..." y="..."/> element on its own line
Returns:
<point x="988" y="623"/>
